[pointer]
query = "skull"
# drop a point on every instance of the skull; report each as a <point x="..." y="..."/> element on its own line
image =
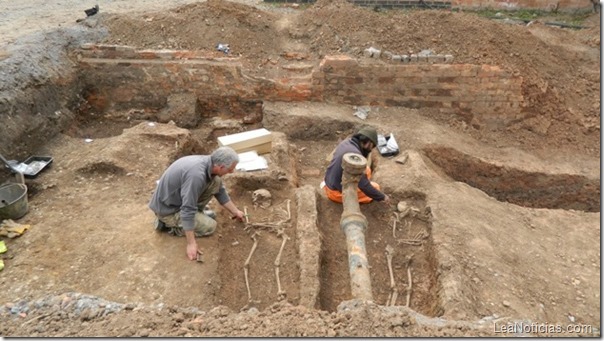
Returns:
<point x="403" y="208"/>
<point x="261" y="197"/>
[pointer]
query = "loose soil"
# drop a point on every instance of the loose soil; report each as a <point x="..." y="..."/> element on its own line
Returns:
<point x="91" y="264"/>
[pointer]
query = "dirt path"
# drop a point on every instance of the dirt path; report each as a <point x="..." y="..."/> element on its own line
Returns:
<point x="22" y="18"/>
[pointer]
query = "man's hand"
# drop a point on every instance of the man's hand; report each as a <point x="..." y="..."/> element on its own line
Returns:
<point x="191" y="245"/>
<point x="239" y="215"/>
<point x="234" y="210"/>
<point x="192" y="251"/>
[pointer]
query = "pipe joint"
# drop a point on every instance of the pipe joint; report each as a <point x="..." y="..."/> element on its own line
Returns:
<point x="354" y="164"/>
<point x="350" y="219"/>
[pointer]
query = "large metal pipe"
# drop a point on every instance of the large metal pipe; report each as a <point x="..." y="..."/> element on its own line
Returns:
<point x="354" y="225"/>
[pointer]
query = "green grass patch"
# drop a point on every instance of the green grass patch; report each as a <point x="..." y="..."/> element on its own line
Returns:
<point x="575" y="19"/>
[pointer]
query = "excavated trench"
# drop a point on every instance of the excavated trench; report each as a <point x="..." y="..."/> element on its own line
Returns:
<point x="529" y="189"/>
<point x="335" y="283"/>
<point x="276" y="243"/>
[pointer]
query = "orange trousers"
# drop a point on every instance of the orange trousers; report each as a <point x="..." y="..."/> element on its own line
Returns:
<point x="336" y="196"/>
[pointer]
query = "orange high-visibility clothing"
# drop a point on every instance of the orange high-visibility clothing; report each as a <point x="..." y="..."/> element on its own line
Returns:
<point x="336" y="196"/>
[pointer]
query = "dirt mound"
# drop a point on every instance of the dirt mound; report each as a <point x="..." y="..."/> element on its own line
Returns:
<point x="200" y="26"/>
<point x="566" y="93"/>
<point x="74" y="314"/>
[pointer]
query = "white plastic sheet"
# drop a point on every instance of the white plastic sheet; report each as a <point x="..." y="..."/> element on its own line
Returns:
<point x="387" y="145"/>
<point x="251" y="161"/>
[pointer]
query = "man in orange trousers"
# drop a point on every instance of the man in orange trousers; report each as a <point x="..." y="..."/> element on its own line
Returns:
<point x="360" y="143"/>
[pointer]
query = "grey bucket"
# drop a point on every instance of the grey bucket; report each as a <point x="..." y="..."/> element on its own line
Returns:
<point x="13" y="201"/>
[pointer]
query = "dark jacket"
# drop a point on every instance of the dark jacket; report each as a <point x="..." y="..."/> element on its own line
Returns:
<point x="333" y="174"/>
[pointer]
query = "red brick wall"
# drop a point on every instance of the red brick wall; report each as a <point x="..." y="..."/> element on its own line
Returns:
<point x="125" y="78"/>
<point x="122" y="78"/>
<point x="483" y="94"/>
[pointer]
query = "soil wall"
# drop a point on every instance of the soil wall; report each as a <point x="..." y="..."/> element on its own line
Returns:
<point x="32" y="116"/>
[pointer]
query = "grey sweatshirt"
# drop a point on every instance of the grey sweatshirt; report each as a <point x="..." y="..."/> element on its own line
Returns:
<point x="181" y="185"/>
